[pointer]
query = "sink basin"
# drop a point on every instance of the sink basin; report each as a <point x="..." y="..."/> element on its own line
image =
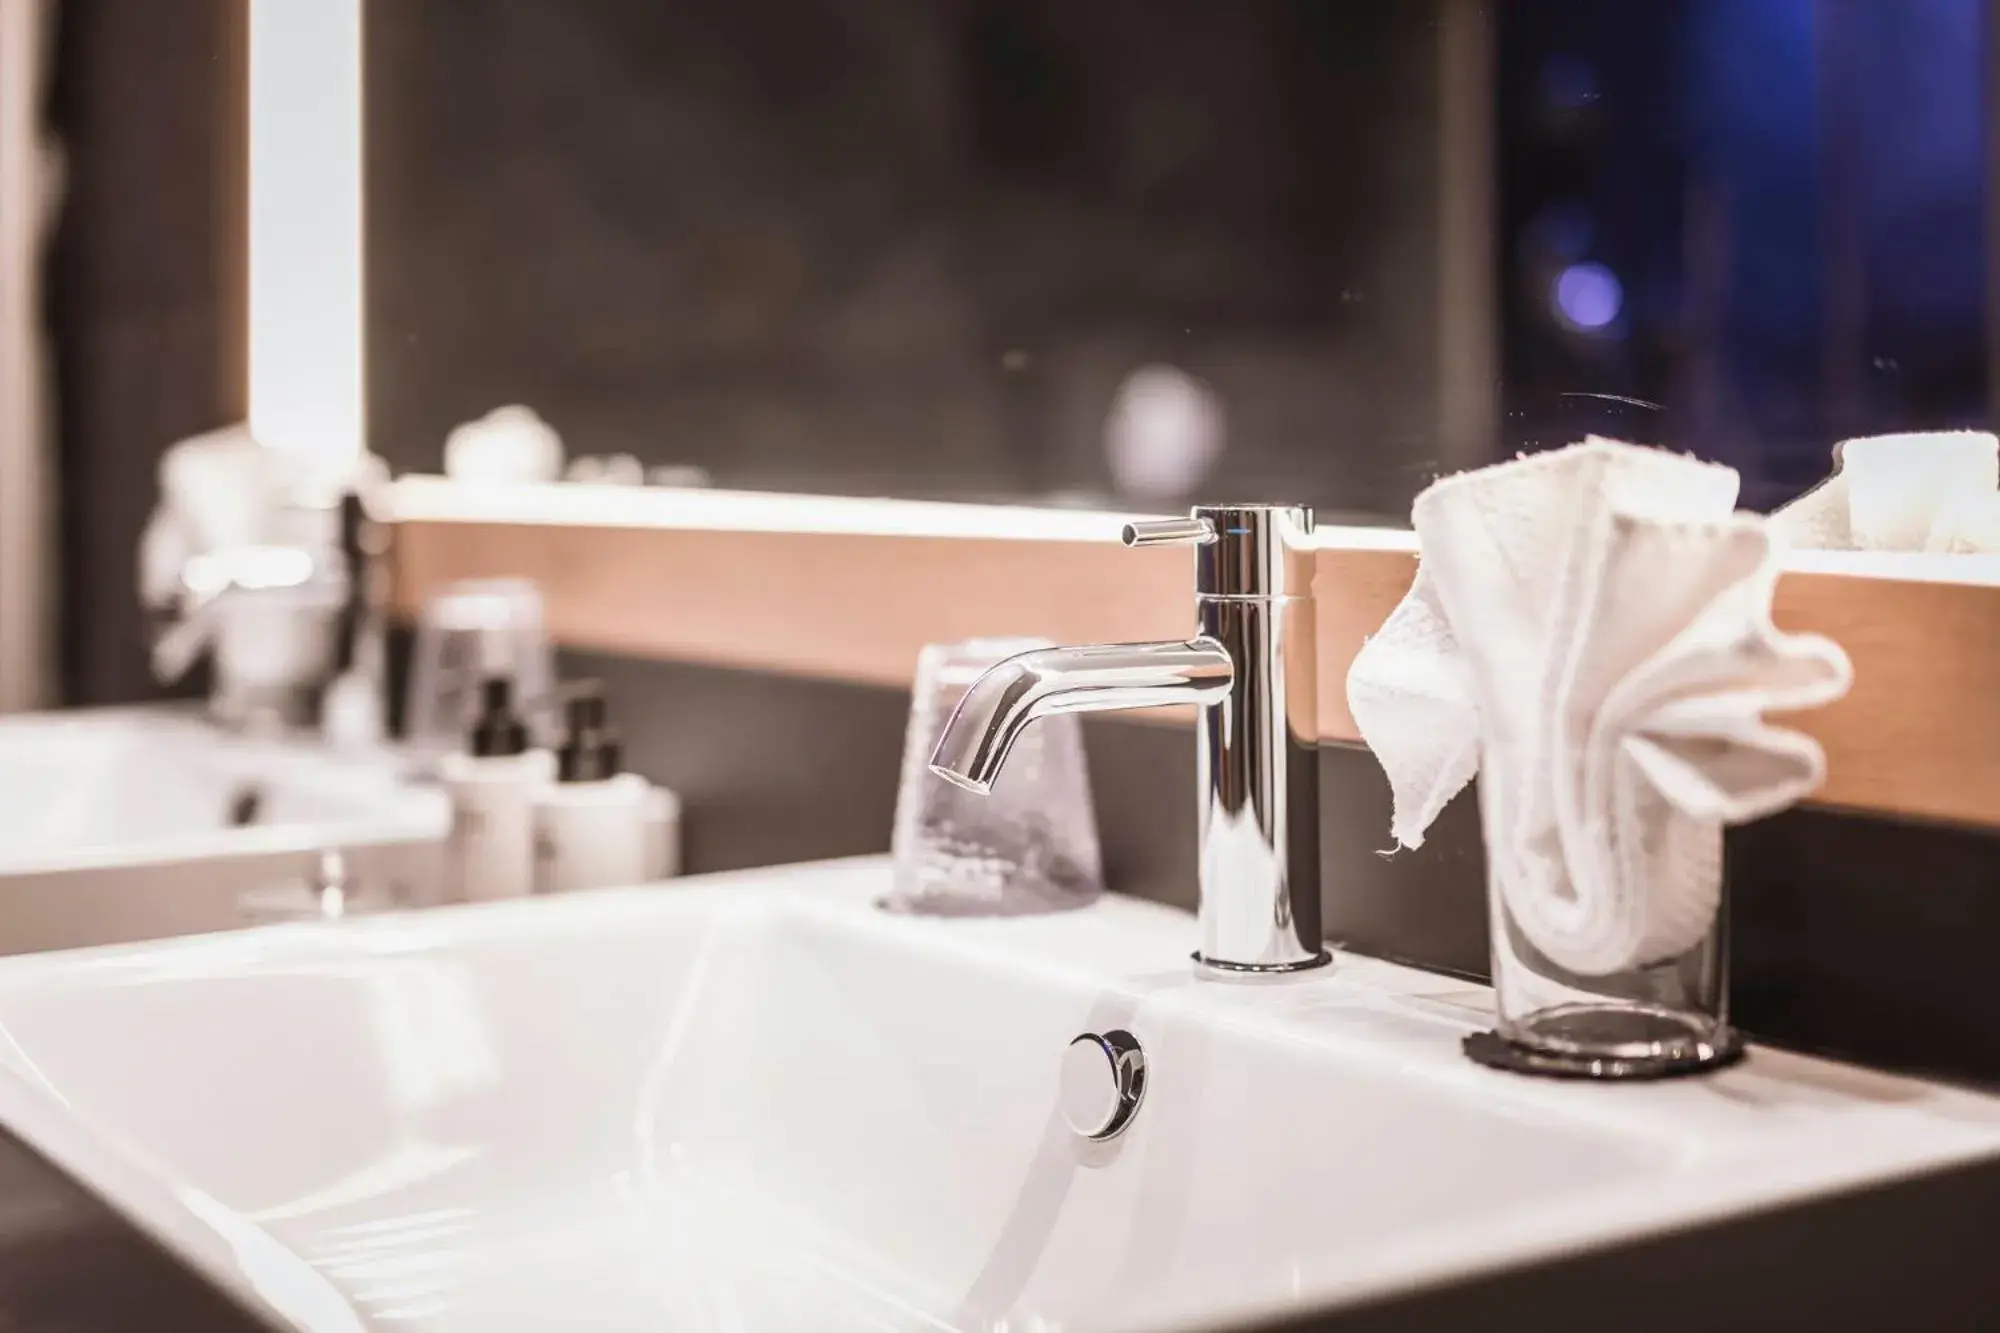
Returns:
<point x="133" y="823"/>
<point x="753" y="1102"/>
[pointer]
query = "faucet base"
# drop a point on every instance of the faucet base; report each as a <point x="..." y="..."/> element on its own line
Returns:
<point x="1320" y="959"/>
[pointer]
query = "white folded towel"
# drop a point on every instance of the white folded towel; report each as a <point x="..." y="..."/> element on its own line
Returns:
<point x="1923" y="491"/>
<point x="1590" y="629"/>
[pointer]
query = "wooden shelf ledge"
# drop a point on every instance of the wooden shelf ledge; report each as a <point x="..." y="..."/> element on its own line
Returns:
<point x="851" y="590"/>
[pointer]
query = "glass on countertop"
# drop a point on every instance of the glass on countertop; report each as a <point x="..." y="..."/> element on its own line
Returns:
<point x="467" y="632"/>
<point x="1029" y="846"/>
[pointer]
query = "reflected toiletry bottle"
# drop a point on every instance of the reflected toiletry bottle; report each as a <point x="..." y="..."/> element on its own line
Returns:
<point x="351" y="711"/>
<point x="493" y="783"/>
<point x="595" y="824"/>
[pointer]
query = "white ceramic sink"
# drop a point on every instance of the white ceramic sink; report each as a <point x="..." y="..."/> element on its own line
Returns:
<point x="115" y="824"/>
<point x="754" y="1103"/>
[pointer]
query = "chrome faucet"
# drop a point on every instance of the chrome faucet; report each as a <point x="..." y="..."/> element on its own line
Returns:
<point x="1252" y="672"/>
<point x="271" y="616"/>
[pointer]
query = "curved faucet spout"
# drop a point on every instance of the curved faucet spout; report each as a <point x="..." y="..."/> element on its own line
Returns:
<point x="973" y="747"/>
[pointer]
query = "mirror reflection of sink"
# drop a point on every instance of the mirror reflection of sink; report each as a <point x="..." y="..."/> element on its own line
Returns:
<point x="755" y="1102"/>
<point x="134" y="823"/>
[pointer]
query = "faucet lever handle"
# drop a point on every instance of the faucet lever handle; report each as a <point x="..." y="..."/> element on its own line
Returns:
<point x="1169" y="532"/>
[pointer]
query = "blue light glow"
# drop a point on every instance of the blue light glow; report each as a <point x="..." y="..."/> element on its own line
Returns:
<point x="1588" y="296"/>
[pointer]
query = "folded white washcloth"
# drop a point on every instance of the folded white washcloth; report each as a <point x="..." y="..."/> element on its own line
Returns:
<point x="1924" y="491"/>
<point x="1590" y="630"/>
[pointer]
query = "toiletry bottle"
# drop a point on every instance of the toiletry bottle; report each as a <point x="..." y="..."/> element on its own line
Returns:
<point x="493" y="783"/>
<point x="595" y="824"/>
<point x="351" y="710"/>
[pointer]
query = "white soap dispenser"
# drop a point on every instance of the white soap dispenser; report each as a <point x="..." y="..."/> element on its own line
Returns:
<point x="493" y="783"/>
<point x="594" y="824"/>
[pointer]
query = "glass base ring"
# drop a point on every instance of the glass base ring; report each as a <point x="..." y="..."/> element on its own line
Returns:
<point x="1669" y="1060"/>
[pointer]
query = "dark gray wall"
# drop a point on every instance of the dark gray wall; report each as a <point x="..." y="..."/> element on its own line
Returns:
<point x="70" y="1264"/>
<point x="909" y="247"/>
<point x="137" y="275"/>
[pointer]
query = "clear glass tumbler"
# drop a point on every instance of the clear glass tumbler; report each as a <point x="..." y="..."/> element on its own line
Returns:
<point x="1663" y="1017"/>
<point x="466" y="632"/>
<point x="1030" y="846"/>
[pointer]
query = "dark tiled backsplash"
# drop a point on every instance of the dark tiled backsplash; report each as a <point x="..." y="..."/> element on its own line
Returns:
<point x="1865" y="938"/>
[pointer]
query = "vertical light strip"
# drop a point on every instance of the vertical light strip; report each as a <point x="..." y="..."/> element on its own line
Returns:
<point x="27" y="189"/>
<point x="305" y="230"/>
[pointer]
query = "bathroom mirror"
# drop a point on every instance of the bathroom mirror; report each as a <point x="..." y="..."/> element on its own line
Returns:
<point x="1062" y="260"/>
<point x="1123" y="254"/>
